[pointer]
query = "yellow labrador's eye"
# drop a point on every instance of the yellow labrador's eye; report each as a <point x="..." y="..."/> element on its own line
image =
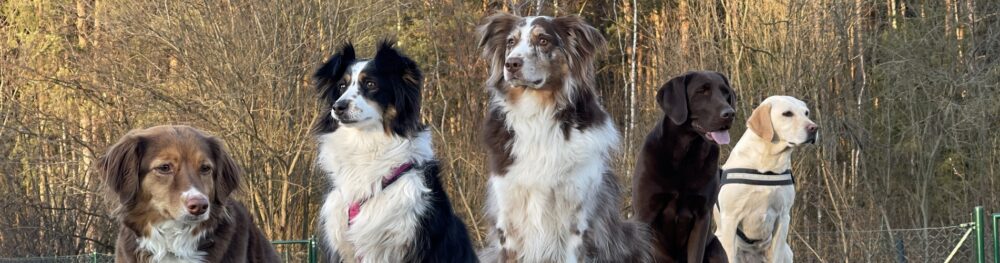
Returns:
<point x="511" y="42"/>
<point x="163" y="168"/>
<point x="807" y="113"/>
<point x="788" y="114"/>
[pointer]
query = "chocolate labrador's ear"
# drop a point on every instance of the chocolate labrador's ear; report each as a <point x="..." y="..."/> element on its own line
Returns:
<point x="227" y="172"/>
<point x="119" y="168"/>
<point x="673" y="98"/>
<point x="760" y="122"/>
<point x="732" y="93"/>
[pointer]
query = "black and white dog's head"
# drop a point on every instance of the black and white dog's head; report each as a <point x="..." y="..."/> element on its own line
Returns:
<point x="377" y="94"/>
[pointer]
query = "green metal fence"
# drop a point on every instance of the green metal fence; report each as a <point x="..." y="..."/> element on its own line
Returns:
<point x="288" y="250"/>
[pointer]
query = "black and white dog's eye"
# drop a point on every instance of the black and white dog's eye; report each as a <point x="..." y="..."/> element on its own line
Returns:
<point x="787" y="114"/>
<point x="370" y="84"/>
<point x="342" y="86"/>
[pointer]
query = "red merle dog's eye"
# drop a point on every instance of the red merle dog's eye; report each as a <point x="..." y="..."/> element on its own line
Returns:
<point x="511" y="42"/>
<point x="543" y="42"/>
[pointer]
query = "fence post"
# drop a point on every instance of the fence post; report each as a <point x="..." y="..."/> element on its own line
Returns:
<point x="996" y="238"/>
<point x="980" y="244"/>
<point x="93" y="257"/>
<point x="311" y="251"/>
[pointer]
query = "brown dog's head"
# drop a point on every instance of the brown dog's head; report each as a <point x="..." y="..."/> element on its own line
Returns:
<point x="168" y="173"/>
<point x="702" y="100"/>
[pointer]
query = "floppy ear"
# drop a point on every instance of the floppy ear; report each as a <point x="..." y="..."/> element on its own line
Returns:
<point x="584" y="41"/>
<point x="326" y="78"/>
<point x="403" y="116"/>
<point x="119" y="168"/>
<point x="673" y="98"/>
<point x="760" y="122"/>
<point x="493" y="34"/>
<point x="227" y="172"/>
<point x="732" y="93"/>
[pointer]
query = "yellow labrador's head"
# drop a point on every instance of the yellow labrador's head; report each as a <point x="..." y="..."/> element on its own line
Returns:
<point x="783" y="120"/>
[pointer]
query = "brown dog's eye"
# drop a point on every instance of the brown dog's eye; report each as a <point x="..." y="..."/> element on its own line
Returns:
<point x="163" y="169"/>
<point x="205" y="169"/>
<point x="787" y="114"/>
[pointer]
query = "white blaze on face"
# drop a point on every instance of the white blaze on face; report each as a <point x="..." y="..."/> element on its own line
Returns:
<point x="360" y="110"/>
<point x="524" y="49"/>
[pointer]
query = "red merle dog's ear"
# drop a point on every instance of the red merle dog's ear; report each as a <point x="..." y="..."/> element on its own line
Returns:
<point x="493" y="33"/>
<point x="583" y="40"/>
<point x="120" y="168"/>
<point x="673" y="98"/>
<point x="227" y="172"/>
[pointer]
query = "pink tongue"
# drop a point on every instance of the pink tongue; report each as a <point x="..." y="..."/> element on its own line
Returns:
<point x="720" y="137"/>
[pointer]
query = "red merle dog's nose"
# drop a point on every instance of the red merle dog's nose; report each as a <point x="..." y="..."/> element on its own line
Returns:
<point x="197" y="205"/>
<point x="513" y="64"/>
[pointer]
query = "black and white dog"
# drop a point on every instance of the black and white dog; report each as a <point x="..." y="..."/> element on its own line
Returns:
<point x="387" y="203"/>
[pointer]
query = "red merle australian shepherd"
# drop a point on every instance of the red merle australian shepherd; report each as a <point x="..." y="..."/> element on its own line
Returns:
<point x="387" y="203"/>
<point x="172" y="187"/>
<point x="552" y="196"/>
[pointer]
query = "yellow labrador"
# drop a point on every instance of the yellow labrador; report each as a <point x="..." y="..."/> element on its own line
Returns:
<point x="758" y="189"/>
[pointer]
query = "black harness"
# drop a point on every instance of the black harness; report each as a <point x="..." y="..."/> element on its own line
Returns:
<point x="754" y="177"/>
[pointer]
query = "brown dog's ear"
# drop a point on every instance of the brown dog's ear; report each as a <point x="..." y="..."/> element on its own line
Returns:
<point x="119" y="168"/>
<point x="760" y="122"/>
<point x="673" y="98"/>
<point x="227" y="172"/>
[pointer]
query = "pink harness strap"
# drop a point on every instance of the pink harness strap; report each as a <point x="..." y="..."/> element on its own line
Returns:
<point x="355" y="207"/>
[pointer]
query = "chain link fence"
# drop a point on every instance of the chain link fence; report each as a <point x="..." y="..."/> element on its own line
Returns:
<point x="288" y="251"/>
<point x="938" y="244"/>
<point x="88" y="258"/>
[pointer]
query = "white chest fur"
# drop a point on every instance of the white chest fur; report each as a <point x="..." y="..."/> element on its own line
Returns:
<point x="544" y="201"/>
<point x="172" y="241"/>
<point x="356" y="161"/>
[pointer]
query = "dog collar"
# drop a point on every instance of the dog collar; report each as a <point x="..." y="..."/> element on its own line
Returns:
<point x="754" y="177"/>
<point x="355" y="207"/>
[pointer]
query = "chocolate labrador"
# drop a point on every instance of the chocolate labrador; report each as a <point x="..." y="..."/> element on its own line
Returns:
<point x="676" y="179"/>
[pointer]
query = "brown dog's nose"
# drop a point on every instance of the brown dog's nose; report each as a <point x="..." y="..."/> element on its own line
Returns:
<point x="812" y="128"/>
<point x="513" y="64"/>
<point x="197" y="205"/>
<point x="728" y="114"/>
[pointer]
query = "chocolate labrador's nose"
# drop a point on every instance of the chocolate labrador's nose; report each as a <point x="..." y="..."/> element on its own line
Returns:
<point x="728" y="114"/>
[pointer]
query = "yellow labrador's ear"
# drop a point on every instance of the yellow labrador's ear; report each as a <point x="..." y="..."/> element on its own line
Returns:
<point x="760" y="122"/>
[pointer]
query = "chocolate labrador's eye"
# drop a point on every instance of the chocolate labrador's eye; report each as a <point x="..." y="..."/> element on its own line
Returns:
<point x="788" y="114"/>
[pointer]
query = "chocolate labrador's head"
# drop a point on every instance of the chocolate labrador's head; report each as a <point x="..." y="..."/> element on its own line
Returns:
<point x="701" y="101"/>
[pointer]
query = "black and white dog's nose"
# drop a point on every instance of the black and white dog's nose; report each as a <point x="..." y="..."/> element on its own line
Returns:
<point x="340" y="107"/>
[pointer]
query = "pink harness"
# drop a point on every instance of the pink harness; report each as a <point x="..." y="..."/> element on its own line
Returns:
<point x="355" y="208"/>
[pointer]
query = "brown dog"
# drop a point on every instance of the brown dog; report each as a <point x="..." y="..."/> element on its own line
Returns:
<point x="171" y="185"/>
<point x="677" y="174"/>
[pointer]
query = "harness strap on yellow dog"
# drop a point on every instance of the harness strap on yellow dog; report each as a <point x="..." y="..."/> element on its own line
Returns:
<point x="754" y="177"/>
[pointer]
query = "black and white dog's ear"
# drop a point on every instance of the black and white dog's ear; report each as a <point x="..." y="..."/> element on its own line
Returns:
<point x="673" y="98"/>
<point x="402" y="117"/>
<point x="326" y="76"/>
